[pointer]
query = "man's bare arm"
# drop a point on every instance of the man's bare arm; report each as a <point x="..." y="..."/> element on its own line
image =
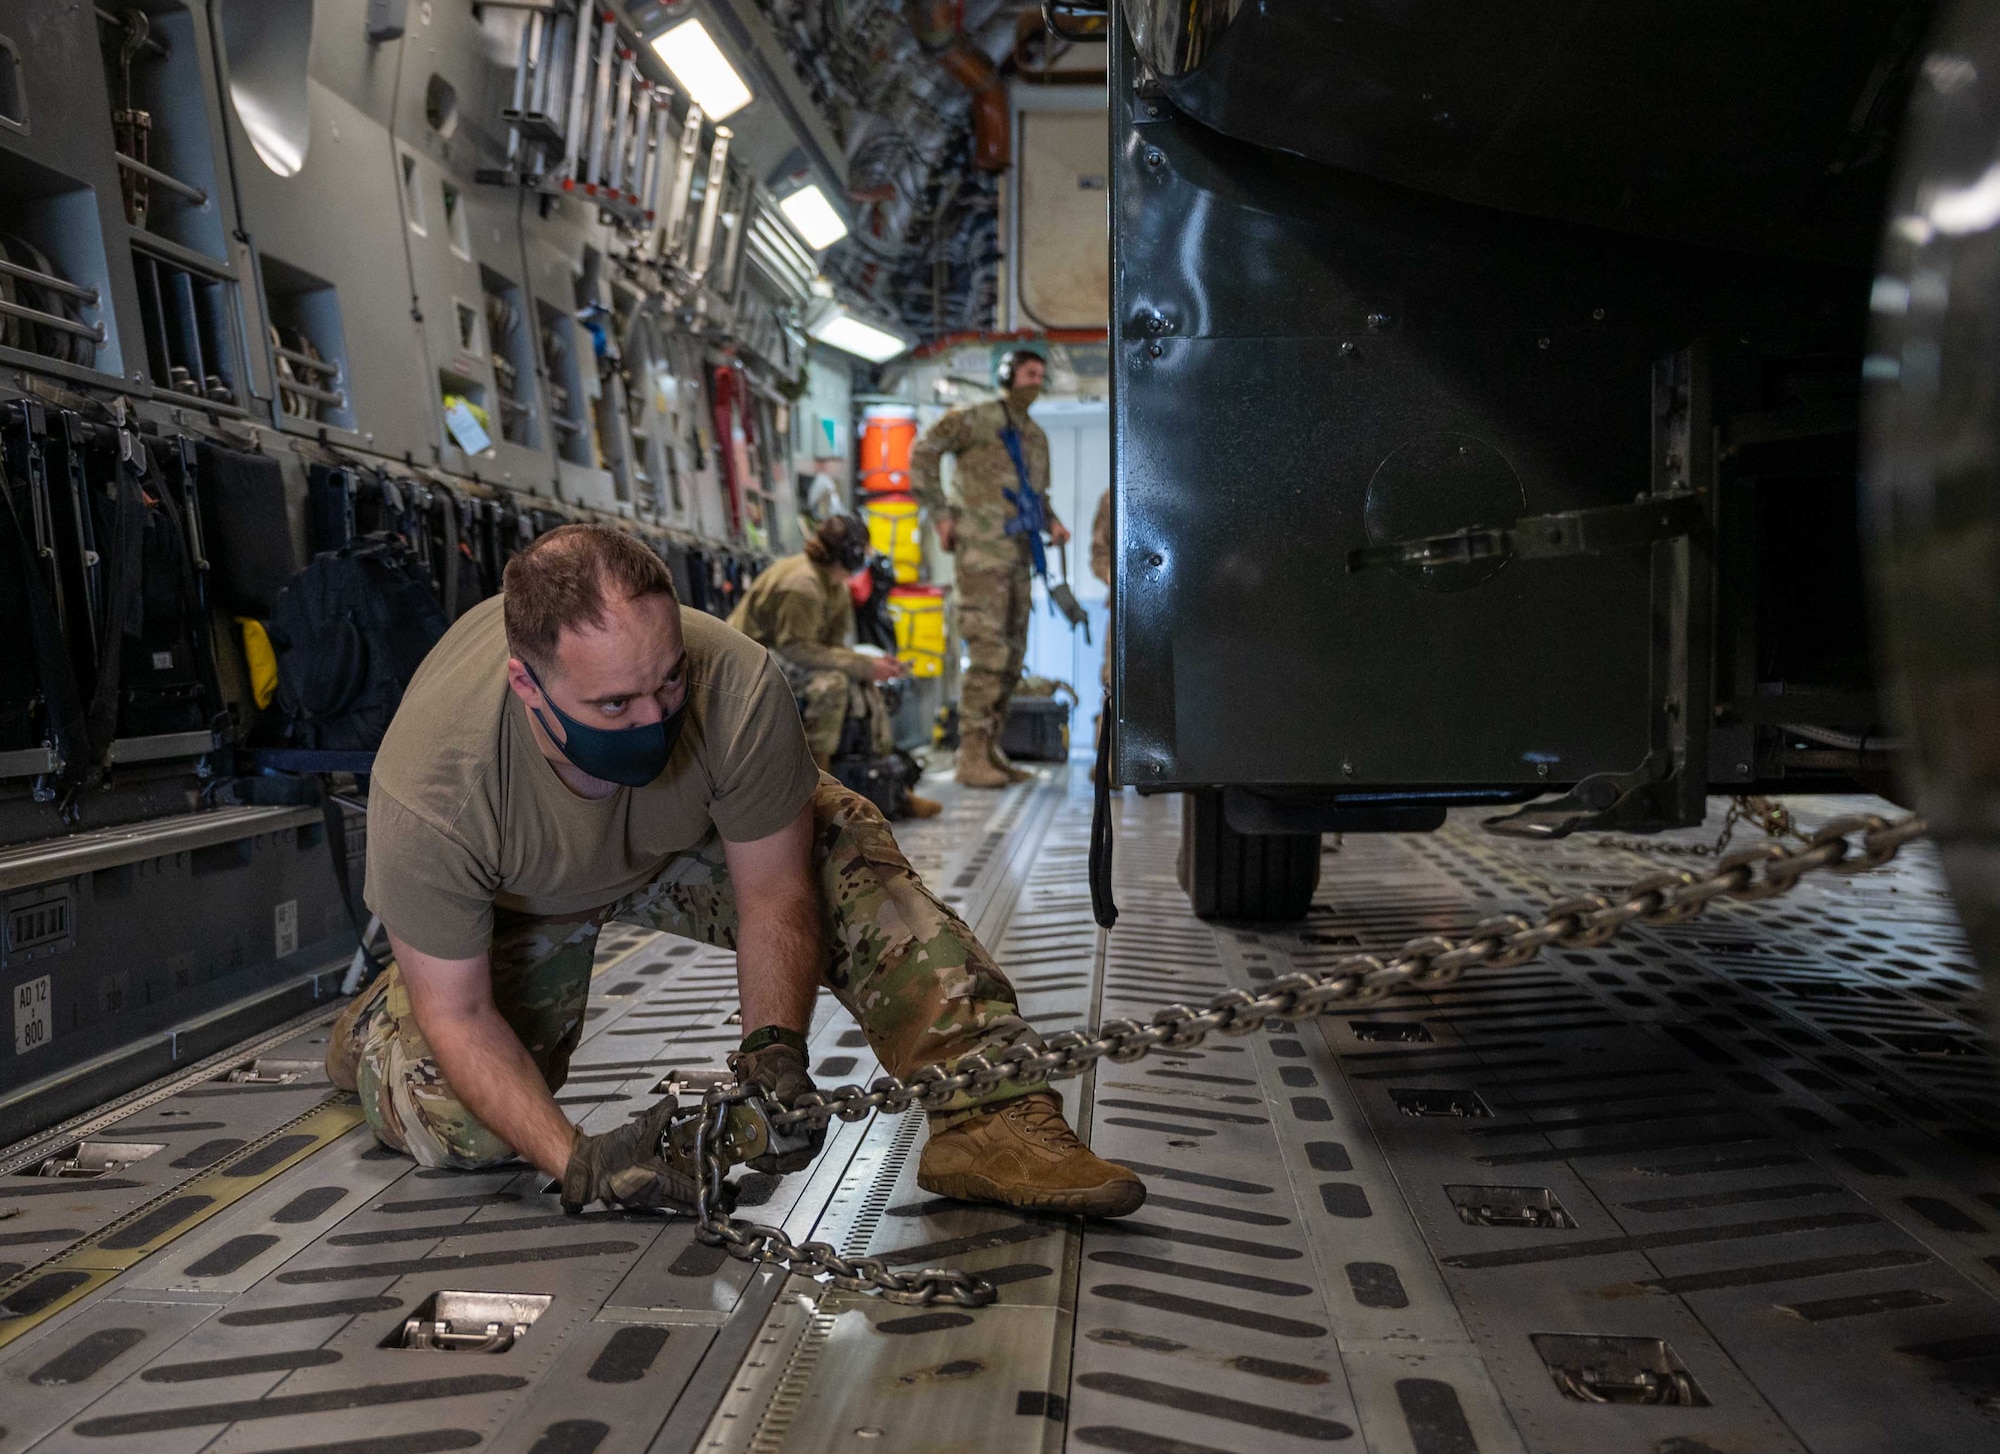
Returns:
<point x="483" y="1060"/>
<point x="778" y="936"/>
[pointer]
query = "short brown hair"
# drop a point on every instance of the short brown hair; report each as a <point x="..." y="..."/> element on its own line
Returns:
<point x="563" y="581"/>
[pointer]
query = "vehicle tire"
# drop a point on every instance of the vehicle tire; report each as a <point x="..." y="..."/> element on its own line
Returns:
<point x="1261" y="878"/>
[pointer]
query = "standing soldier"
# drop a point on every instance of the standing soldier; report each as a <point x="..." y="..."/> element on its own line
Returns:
<point x="1003" y="460"/>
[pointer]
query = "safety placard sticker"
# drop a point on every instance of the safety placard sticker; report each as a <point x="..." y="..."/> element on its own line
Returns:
<point x="31" y="1015"/>
<point x="285" y="927"/>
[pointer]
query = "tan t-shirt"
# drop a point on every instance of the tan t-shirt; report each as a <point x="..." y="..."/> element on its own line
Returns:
<point x="465" y="813"/>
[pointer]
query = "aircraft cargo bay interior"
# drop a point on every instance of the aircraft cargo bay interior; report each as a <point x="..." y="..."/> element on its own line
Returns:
<point x="961" y="725"/>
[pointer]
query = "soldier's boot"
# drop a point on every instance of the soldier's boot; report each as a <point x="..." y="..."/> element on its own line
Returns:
<point x="916" y="807"/>
<point x="1005" y="763"/>
<point x="1023" y="1154"/>
<point x="976" y="768"/>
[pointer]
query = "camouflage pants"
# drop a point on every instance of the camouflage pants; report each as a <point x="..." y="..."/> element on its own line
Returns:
<point x="828" y="699"/>
<point x="906" y="967"/>
<point x="993" y="608"/>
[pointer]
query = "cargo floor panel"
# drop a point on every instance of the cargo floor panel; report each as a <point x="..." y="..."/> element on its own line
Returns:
<point x="1728" y="1185"/>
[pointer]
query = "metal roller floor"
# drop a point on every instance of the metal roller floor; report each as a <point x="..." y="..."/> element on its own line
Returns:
<point x="1715" y="1188"/>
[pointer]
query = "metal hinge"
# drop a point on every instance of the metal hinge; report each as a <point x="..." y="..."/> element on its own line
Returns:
<point x="1645" y="521"/>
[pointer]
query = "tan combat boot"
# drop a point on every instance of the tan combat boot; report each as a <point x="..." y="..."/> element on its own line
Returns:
<point x="1005" y="763"/>
<point x="975" y="762"/>
<point x="916" y="807"/>
<point x="1025" y="1155"/>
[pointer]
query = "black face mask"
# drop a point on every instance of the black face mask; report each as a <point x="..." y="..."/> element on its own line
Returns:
<point x="629" y="756"/>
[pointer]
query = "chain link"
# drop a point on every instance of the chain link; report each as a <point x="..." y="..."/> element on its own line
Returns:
<point x="1764" y="871"/>
<point x="1774" y="818"/>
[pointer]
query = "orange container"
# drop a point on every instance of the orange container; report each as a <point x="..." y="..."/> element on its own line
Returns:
<point x="888" y="432"/>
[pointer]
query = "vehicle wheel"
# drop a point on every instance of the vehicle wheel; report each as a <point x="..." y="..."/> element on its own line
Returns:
<point x="1261" y="878"/>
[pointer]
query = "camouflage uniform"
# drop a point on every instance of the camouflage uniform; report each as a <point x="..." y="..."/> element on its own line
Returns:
<point x="1100" y="565"/>
<point x="992" y="566"/>
<point x="794" y="609"/>
<point x="906" y="967"/>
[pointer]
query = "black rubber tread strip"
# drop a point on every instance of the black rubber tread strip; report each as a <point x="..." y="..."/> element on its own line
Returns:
<point x="1164" y="1127"/>
<point x="1345" y="1199"/>
<point x="1435" y="1418"/>
<point x="1197" y="1075"/>
<point x="1167" y="1302"/>
<point x="167" y="1129"/>
<point x="1587" y="1078"/>
<point x="449" y="1204"/>
<point x="698" y="1259"/>
<point x="977" y="1242"/>
<point x="923" y="1323"/>
<point x="1646" y="1144"/>
<point x="835" y="1066"/>
<point x="308" y="1312"/>
<point x="1328" y="1156"/>
<point x="421" y="1441"/>
<point x="1312" y="1108"/>
<point x="30" y="1299"/>
<point x="1187" y="1400"/>
<point x="1403" y="1073"/>
<point x="281" y="1361"/>
<point x="287" y="1406"/>
<point x="1376" y="1285"/>
<point x="87" y="1356"/>
<point x="628" y="1354"/>
<point x="1200" y="1113"/>
<point x="1016" y="1272"/>
<point x="439" y="1231"/>
<point x="236" y="1253"/>
<point x="1201" y="1178"/>
<point x="1431" y="1050"/>
<point x="309" y="1205"/>
<point x="1647" y="1241"/>
<point x="571" y="1436"/>
<point x="208" y="1153"/>
<point x="155" y="1223"/>
<point x="1790" y="1191"/>
<point x="1717" y="1164"/>
<point x="48" y="1234"/>
<point x="1272" y="1368"/>
<point x="1943" y="1215"/>
<point x="1871" y="1163"/>
<point x="1195" y="1272"/>
<point x="1137" y="1441"/>
<point x="265" y="1158"/>
<point x="1610" y="1118"/>
<point x="1217" y="1210"/>
<point x="67" y="1187"/>
<point x="1821" y="1310"/>
<point x="1126" y="1227"/>
<point x="939" y="1206"/>
<point x="1955" y="1350"/>
<point x="1572" y="1101"/>
<point x="371" y="1271"/>
<point x="1782" y="1271"/>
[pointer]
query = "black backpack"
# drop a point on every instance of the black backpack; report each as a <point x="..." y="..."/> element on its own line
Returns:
<point x="349" y="633"/>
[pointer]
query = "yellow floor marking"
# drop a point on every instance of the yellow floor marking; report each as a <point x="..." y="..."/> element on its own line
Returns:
<point x="88" y="1265"/>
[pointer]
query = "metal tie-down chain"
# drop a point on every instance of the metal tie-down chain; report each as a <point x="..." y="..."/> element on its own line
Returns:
<point x="1763" y="872"/>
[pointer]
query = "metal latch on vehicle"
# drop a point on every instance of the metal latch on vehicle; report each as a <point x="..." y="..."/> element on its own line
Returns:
<point x="1649" y="519"/>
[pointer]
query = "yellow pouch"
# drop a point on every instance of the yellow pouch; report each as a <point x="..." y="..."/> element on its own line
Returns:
<point x="262" y="661"/>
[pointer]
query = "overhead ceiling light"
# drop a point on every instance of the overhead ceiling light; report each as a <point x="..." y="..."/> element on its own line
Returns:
<point x="837" y="328"/>
<point x="700" y="66"/>
<point x="813" y="215"/>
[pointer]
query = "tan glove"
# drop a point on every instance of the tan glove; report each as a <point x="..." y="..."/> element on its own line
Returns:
<point x="624" y="1169"/>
